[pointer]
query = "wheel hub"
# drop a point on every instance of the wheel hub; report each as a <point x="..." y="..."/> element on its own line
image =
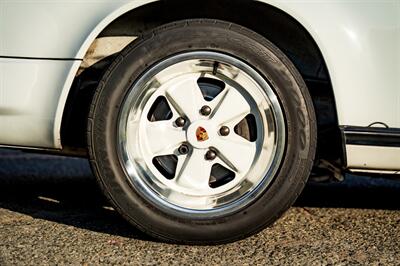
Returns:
<point x="200" y="134"/>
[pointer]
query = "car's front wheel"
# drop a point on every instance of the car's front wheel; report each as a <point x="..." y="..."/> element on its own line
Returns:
<point x="202" y="131"/>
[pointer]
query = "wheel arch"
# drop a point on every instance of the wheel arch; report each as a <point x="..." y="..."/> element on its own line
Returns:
<point x="289" y="31"/>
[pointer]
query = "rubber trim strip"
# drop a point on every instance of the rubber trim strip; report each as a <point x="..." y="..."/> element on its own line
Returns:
<point x="368" y="136"/>
<point x="39" y="58"/>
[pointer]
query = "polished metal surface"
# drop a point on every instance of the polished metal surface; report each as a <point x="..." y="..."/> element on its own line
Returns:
<point x="254" y="163"/>
<point x="211" y="155"/>
<point x="205" y="110"/>
<point x="180" y="121"/>
<point x="224" y="131"/>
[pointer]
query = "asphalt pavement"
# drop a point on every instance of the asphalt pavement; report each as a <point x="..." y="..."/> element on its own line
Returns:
<point x="51" y="212"/>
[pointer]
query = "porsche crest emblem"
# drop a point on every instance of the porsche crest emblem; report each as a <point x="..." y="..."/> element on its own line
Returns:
<point x="201" y="134"/>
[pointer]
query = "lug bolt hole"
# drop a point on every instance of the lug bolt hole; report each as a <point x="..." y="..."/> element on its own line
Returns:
<point x="183" y="149"/>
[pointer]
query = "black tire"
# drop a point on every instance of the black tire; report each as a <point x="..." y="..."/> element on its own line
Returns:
<point x="192" y="35"/>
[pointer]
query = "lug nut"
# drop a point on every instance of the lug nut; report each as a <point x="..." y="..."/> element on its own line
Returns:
<point x="183" y="149"/>
<point x="224" y="131"/>
<point x="180" y="121"/>
<point x="205" y="110"/>
<point x="210" y="155"/>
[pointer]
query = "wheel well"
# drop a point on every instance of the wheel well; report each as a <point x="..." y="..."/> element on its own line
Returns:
<point x="277" y="26"/>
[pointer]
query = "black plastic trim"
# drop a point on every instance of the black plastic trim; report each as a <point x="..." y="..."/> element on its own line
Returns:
<point x="39" y="58"/>
<point x="371" y="136"/>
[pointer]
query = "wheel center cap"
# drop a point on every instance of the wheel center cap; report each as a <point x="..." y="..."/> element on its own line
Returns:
<point x="201" y="134"/>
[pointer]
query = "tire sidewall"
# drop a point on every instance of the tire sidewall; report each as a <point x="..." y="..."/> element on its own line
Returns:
<point x="218" y="37"/>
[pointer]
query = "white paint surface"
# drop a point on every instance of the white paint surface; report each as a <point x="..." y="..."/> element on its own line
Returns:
<point x="360" y="42"/>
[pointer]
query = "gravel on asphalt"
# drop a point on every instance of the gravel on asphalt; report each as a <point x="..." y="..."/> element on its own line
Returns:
<point x="51" y="212"/>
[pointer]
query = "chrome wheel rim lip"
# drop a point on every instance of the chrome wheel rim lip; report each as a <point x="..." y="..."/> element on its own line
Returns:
<point x="142" y="174"/>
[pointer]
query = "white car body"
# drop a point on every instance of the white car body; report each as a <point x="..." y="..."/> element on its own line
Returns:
<point x="43" y="43"/>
